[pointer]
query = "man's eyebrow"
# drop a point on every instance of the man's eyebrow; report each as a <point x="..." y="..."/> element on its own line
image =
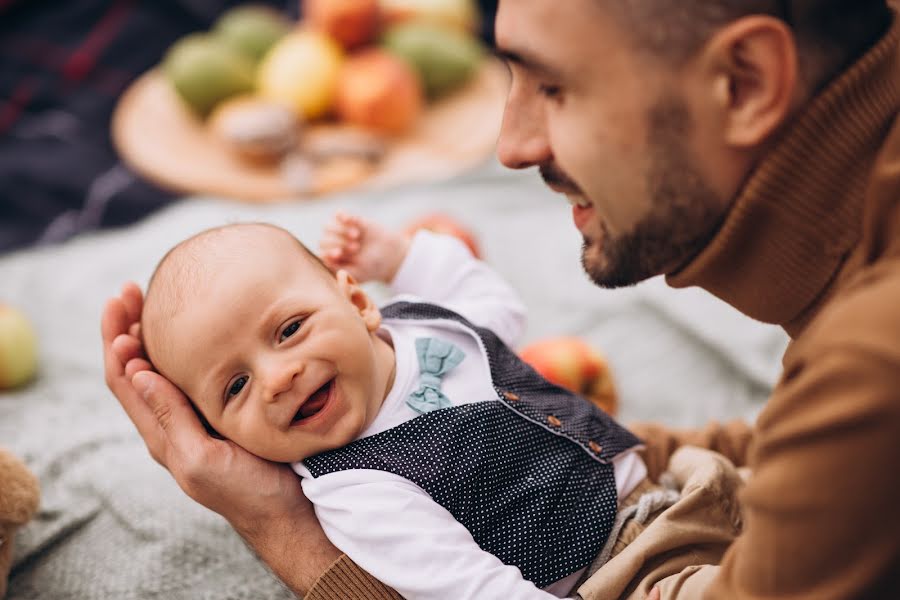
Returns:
<point x="529" y="63"/>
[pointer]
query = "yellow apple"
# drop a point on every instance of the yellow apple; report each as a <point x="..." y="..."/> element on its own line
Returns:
<point x="18" y="348"/>
<point x="302" y="71"/>
<point x="571" y="363"/>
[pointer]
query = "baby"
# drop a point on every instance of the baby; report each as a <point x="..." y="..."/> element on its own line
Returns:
<point x="436" y="459"/>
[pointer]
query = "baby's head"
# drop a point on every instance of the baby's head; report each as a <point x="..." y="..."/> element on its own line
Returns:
<point x="278" y="354"/>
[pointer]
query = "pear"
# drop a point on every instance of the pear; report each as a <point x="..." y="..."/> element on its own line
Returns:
<point x="205" y="71"/>
<point x="251" y="29"/>
<point x="445" y="58"/>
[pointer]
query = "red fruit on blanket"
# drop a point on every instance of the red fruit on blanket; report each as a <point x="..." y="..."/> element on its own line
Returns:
<point x="441" y="223"/>
<point x="571" y="363"/>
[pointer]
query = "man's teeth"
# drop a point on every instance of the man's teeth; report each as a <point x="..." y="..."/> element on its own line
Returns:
<point x="579" y="202"/>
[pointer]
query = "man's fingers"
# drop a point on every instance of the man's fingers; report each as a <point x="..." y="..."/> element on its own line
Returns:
<point x="126" y="347"/>
<point x="135" y="330"/>
<point x="135" y="366"/>
<point x="133" y="300"/>
<point x="654" y="594"/>
<point x="114" y="321"/>
<point x="173" y="413"/>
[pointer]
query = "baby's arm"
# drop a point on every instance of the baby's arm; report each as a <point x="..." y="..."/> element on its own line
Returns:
<point x="434" y="268"/>
<point x="440" y="269"/>
<point x="393" y="530"/>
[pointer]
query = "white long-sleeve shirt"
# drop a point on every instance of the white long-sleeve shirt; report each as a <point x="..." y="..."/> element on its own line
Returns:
<point x="387" y="524"/>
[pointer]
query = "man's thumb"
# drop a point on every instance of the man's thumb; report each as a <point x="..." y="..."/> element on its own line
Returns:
<point x="163" y="398"/>
<point x="143" y="384"/>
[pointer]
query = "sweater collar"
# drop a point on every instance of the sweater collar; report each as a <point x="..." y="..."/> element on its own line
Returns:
<point x="800" y="212"/>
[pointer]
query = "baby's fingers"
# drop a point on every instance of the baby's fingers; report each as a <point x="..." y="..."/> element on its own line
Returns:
<point x="353" y="227"/>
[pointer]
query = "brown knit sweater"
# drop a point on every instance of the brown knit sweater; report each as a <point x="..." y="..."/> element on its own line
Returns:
<point x="813" y="244"/>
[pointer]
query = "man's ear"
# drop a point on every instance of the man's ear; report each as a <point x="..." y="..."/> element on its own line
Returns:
<point x="753" y="63"/>
<point x="367" y="309"/>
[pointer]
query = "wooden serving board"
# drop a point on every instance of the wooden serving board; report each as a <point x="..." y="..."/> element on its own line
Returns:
<point x="158" y="137"/>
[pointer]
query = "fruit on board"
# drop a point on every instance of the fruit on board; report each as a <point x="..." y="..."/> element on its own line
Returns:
<point x="251" y="29"/>
<point x="455" y="14"/>
<point x="571" y="363"/>
<point x="351" y="22"/>
<point x="446" y="225"/>
<point x="18" y="348"/>
<point x="445" y="59"/>
<point x="302" y="72"/>
<point x="204" y="71"/>
<point x="380" y="91"/>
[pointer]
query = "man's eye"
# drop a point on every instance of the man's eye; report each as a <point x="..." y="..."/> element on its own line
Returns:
<point x="289" y="330"/>
<point x="236" y="386"/>
<point x="550" y="91"/>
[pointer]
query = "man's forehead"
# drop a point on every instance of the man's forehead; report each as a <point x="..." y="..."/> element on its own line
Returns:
<point x="540" y="34"/>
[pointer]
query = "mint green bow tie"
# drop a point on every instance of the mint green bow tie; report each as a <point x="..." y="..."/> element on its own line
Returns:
<point x="436" y="358"/>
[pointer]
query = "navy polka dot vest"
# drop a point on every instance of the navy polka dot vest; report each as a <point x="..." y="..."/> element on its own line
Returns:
<point x="530" y="476"/>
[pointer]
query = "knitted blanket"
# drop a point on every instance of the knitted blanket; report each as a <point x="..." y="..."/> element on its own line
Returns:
<point x="113" y="524"/>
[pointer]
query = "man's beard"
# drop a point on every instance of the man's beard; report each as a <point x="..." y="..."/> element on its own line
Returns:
<point x="685" y="211"/>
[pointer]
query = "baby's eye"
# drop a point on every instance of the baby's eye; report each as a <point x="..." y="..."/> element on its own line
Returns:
<point x="289" y="330"/>
<point x="236" y="386"/>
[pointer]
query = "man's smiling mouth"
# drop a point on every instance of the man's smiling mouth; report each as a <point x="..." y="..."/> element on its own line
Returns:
<point x="315" y="403"/>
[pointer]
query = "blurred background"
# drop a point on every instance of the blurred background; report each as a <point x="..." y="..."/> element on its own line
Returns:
<point x="63" y="67"/>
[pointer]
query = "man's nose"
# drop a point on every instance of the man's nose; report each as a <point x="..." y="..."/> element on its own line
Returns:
<point x="523" y="140"/>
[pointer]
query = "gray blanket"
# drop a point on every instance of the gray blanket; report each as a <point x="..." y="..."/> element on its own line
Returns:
<point x="112" y="523"/>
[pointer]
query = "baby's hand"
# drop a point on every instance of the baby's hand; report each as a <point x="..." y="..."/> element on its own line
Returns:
<point x="366" y="250"/>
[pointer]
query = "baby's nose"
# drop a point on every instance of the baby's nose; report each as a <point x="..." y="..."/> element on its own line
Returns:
<point x="280" y="379"/>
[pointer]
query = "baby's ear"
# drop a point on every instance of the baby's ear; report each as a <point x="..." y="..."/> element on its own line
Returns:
<point x="366" y="307"/>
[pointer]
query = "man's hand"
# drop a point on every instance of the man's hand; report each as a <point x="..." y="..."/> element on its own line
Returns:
<point x="262" y="500"/>
<point x="366" y="250"/>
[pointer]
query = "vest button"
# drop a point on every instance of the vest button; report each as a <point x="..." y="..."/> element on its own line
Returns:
<point x="554" y="421"/>
<point x="511" y="397"/>
<point x="595" y="447"/>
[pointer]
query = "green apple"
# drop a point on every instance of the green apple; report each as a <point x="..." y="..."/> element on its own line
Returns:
<point x="205" y="70"/>
<point x="18" y="348"/>
<point x="251" y="29"/>
<point x="444" y="58"/>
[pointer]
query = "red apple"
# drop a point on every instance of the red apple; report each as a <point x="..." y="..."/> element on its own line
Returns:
<point x="571" y="363"/>
<point x="379" y="91"/>
<point x="441" y="223"/>
<point x="351" y="22"/>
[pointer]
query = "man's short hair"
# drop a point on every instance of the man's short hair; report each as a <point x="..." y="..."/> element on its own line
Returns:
<point x="830" y="34"/>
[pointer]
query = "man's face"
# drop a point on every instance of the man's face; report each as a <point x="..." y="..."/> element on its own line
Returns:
<point x="610" y="128"/>
<point x="271" y="350"/>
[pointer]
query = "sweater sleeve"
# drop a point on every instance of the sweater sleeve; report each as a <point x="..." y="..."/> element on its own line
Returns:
<point x="345" y="580"/>
<point x="731" y="439"/>
<point x="820" y="510"/>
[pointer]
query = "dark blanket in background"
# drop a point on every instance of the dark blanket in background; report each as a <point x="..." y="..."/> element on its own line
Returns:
<point x="62" y="67"/>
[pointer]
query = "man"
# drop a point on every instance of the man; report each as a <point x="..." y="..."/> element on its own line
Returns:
<point x="747" y="147"/>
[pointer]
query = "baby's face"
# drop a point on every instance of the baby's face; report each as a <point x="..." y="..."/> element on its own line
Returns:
<point x="278" y="355"/>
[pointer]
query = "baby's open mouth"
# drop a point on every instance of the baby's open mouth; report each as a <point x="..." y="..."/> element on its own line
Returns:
<point x="314" y="403"/>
